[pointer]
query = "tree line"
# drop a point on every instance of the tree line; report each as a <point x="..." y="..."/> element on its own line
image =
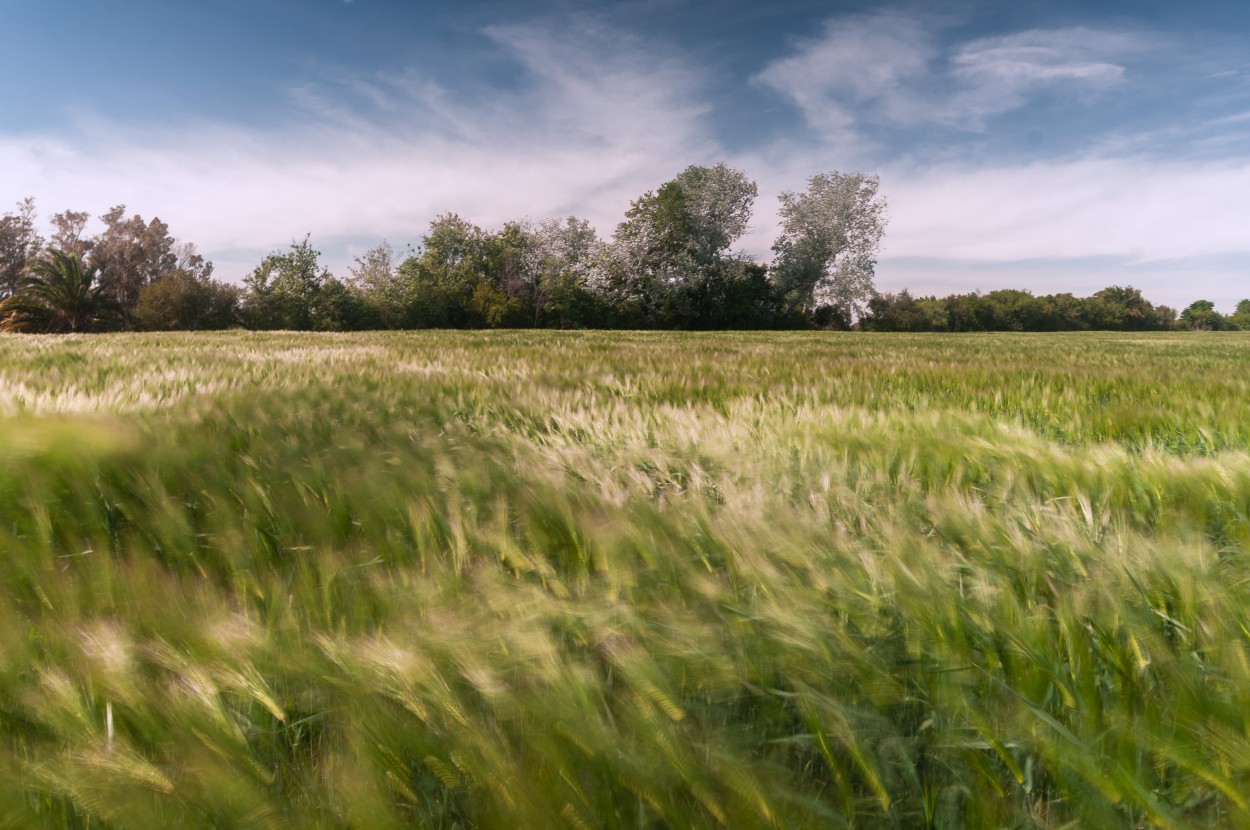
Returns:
<point x="670" y="264"/>
<point x="1115" y="308"/>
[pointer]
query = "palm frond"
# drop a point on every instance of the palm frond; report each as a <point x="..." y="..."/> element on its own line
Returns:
<point x="59" y="293"/>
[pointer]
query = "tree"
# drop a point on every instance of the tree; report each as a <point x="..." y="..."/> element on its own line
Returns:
<point x="562" y="253"/>
<point x="830" y="236"/>
<point x="894" y="312"/>
<point x="711" y="210"/>
<point x="19" y="244"/>
<point x="188" y="260"/>
<point x="186" y="301"/>
<point x="59" y="294"/>
<point x="1062" y="312"/>
<point x="831" y="318"/>
<point x="1202" y="316"/>
<point x="670" y="262"/>
<point x="131" y="254"/>
<point x="286" y="292"/>
<point x="373" y="279"/>
<point x="67" y="232"/>
<point x="441" y="279"/>
<point x="1240" y="318"/>
<point x="503" y="288"/>
<point x="1128" y="309"/>
<point x="382" y="295"/>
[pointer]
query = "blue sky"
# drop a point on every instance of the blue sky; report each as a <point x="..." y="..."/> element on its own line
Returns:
<point x="1055" y="146"/>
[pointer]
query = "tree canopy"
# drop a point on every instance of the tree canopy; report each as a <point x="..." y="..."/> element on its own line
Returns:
<point x="59" y="294"/>
<point x="672" y="263"/>
<point x="830" y="234"/>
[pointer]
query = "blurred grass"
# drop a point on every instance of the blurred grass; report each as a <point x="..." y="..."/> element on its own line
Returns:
<point x="464" y="580"/>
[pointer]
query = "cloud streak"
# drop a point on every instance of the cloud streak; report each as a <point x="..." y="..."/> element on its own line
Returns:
<point x="891" y="68"/>
<point x="595" y="120"/>
<point x="592" y="117"/>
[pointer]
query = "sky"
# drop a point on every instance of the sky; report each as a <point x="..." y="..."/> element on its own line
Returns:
<point x="1050" y="146"/>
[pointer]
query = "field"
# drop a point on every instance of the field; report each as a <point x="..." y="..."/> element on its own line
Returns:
<point x="597" y="580"/>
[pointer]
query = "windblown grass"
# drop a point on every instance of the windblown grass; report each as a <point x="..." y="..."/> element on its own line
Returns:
<point x="625" y="580"/>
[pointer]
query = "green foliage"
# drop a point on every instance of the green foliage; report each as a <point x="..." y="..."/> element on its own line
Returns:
<point x="1111" y="309"/>
<point x="562" y="254"/>
<point x="58" y="293"/>
<point x="480" y="580"/>
<point x="1202" y="316"/>
<point x="443" y="277"/>
<point x="1240" y="318"/>
<point x="830" y="235"/>
<point x="670" y="265"/>
<point x="182" y="301"/>
<point x="294" y="291"/>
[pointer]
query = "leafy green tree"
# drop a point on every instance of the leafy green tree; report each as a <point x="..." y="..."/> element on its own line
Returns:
<point x="738" y="295"/>
<point x="1125" y="309"/>
<point x="1202" y="316"/>
<point x="504" y="290"/>
<point x="827" y="249"/>
<point x="961" y="312"/>
<point x="292" y="290"/>
<point x="563" y="253"/>
<point x="438" y="280"/>
<point x="1240" y="318"/>
<point x="186" y="301"/>
<point x="1060" y="312"/>
<point x="903" y="312"/>
<point x="832" y="318"/>
<point x="670" y="264"/>
<point x="382" y="295"/>
<point x="452" y="280"/>
<point x="340" y="308"/>
<point x="58" y="293"/>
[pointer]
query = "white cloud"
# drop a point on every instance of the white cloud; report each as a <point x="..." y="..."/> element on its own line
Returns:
<point x="871" y="61"/>
<point x="1001" y="73"/>
<point x="1139" y="208"/>
<point x="1041" y="55"/>
<point x="594" y="120"/>
<point x="890" y="68"/>
<point x="1175" y="230"/>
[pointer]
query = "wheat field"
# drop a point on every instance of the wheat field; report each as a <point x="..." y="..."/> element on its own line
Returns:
<point x="625" y="580"/>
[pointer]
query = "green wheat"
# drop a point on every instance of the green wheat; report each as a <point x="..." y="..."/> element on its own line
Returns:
<point x="585" y="580"/>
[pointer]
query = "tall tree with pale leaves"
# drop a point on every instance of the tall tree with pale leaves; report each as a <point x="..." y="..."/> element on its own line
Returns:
<point x="670" y="259"/>
<point x="561" y="256"/>
<point x="827" y="250"/>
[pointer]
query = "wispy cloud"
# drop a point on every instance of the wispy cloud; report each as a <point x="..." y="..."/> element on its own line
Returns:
<point x="591" y="117"/>
<point x="866" y="64"/>
<point x="1000" y="74"/>
<point x="595" y="118"/>
<point x="892" y="68"/>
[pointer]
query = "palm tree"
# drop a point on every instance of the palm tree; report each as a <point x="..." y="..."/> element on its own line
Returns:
<point x="59" y="294"/>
